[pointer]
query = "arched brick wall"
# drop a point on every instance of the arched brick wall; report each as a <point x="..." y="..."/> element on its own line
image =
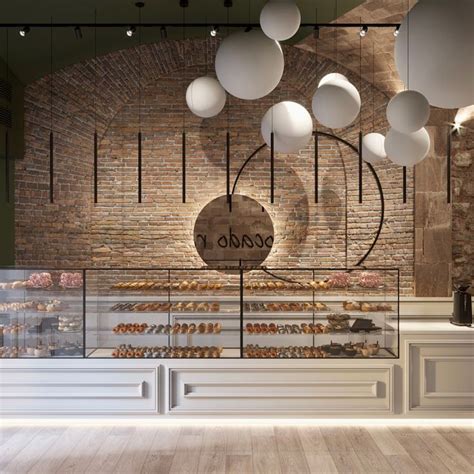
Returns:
<point x="118" y="231"/>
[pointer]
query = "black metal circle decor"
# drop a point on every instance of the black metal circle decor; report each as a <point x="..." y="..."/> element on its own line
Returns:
<point x="362" y="259"/>
<point x="229" y="236"/>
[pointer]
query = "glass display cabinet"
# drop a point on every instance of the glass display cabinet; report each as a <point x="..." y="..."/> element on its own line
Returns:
<point x="42" y="313"/>
<point x="200" y="313"/>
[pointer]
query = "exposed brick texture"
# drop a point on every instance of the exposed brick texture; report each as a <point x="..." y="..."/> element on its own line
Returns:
<point x="120" y="232"/>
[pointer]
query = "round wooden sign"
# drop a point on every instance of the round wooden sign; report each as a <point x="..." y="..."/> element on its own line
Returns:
<point x="241" y="233"/>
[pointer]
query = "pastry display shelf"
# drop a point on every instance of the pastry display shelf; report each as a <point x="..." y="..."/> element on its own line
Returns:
<point x="234" y="353"/>
<point x="106" y="353"/>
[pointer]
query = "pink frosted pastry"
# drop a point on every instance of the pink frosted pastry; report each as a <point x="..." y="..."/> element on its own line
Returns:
<point x="339" y="280"/>
<point x="70" y="280"/>
<point x="370" y="279"/>
<point x="40" y="280"/>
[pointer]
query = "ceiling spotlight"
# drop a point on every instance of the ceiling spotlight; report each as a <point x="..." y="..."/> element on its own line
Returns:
<point x="396" y="31"/>
<point x="214" y="31"/>
<point x="363" y="30"/>
<point x="78" y="32"/>
<point x="131" y="31"/>
<point x="163" y="32"/>
<point x="24" y="30"/>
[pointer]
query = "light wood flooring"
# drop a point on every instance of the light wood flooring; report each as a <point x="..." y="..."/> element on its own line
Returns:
<point x="239" y="449"/>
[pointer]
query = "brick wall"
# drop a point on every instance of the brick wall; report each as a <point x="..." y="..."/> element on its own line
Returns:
<point x="120" y="232"/>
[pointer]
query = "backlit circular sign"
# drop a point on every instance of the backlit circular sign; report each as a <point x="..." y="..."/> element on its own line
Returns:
<point x="226" y="235"/>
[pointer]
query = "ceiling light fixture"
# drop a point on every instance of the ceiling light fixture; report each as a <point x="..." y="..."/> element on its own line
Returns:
<point x="24" y="30"/>
<point x="396" y="31"/>
<point x="131" y="30"/>
<point x="78" y="32"/>
<point x="363" y="30"/>
<point x="163" y="32"/>
<point x="214" y="31"/>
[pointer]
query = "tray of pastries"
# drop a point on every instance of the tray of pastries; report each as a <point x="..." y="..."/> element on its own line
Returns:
<point x="198" y="352"/>
<point x="157" y="307"/>
<point x="185" y="285"/>
<point x="365" y="306"/>
<point x="334" y="349"/>
<point x="273" y="328"/>
<point x="283" y="285"/>
<point x="168" y="329"/>
<point x="288" y="307"/>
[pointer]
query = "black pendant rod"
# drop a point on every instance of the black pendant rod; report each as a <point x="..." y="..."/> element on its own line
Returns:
<point x="7" y="169"/>
<point x="51" y="138"/>
<point x="139" y="5"/>
<point x="96" y="153"/>
<point x="183" y="166"/>
<point x="183" y="137"/>
<point x="360" y="167"/>
<point x="7" y="154"/>
<point x="139" y="167"/>
<point x="227" y="153"/>
<point x="404" y="168"/>
<point x="316" y="168"/>
<point x="272" y="168"/>
<point x="448" y="167"/>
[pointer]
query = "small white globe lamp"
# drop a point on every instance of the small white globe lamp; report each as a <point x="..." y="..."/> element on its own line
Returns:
<point x="280" y="19"/>
<point x="407" y="149"/>
<point x="205" y="97"/>
<point x="249" y="65"/>
<point x="291" y="124"/>
<point x="408" y="111"/>
<point x="373" y="150"/>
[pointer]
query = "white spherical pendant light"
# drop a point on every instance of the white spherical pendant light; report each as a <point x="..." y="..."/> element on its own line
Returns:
<point x="408" y="111"/>
<point x="332" y="77"/>
<point x="280" y="19"/>
<point x="407" y="149"/>
<point x="291" y="124"/>
<point x="249" y="65"/>
<point x="336" y="103"/>
<point x="441" y="51"/>
<point x="205" y="97"/>
<point x="373" y="149"/>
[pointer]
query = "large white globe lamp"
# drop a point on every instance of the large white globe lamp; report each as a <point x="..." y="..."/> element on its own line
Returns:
<point x="249" y="65"/>
<point x="408" y="111"/>
<point x="291" y="124"/>
<point x="407" y="149"/>
<point x="441" y="51"/>
<point x="280" y="19"/>
<point x="336" y="103"/>
<point x="205" y="97"/>
<point x="373" y="150"/>
<point x="332" y="77"/>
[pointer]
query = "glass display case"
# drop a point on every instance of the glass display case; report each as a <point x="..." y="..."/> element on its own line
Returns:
<point x="200" y="313"/>
<point x="41" y="313"/>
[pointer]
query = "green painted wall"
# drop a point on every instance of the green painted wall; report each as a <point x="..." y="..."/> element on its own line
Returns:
<point x="15" y="134"/>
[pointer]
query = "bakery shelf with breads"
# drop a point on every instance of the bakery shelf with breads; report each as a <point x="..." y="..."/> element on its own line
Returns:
<point x="199" y="313"/>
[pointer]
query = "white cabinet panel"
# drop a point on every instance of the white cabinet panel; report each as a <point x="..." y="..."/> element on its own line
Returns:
<point x="441" y="375"/>
<point x="331" y="390"/>
<point x="77" y="390"/>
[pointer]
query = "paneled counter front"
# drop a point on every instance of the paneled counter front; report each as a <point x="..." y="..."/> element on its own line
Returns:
<point x="433" y="378"/>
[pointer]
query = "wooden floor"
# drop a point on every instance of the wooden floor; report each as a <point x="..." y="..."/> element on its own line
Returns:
<point x="240" y="449"/>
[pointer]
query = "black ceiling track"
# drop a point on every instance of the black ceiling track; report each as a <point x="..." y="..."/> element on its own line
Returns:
<point x="192" y="25"/>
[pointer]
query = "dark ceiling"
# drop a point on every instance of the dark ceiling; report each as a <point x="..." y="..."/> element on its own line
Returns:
<point x="29" y="58"/>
